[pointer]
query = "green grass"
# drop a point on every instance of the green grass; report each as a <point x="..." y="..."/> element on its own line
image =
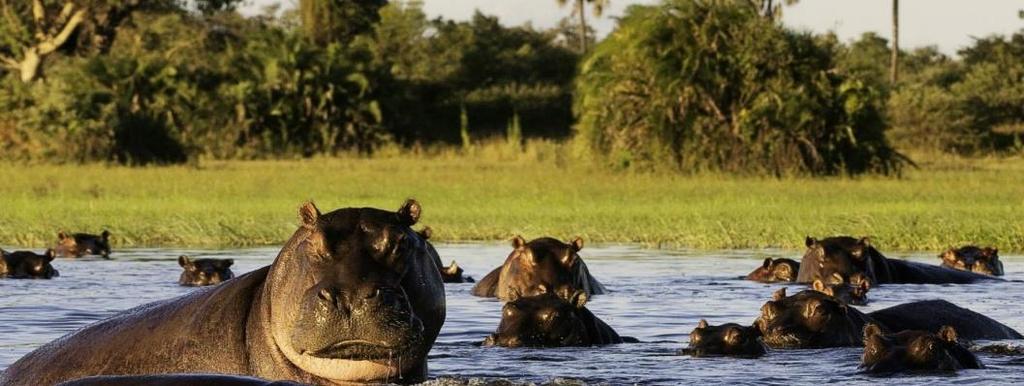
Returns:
<point x="495" y="192"/>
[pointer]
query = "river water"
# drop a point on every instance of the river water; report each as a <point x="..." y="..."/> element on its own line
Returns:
<point x="656" y="296"/>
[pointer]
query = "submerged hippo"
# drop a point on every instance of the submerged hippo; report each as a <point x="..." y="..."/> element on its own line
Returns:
<point x="729" y="339"/>
<point x="548" y="320"/>
<point x="974" y="259"/>
<point x="352" y="296"/>
<point x="915" y="351"/>
<point x="853" y="291"/>
<point x="847" y="256"/>
<point x="774" y="271"/>
<point x="83" y="244"/>
<point x="176" y="380"/>
<point x="811" y="319"/>
<point x="538" y="266"/>
<point x="202" y="272"/>
<point x="450" y="274"/>
<point x="27" y="265"/>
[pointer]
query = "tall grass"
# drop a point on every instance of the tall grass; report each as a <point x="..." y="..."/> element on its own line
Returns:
<point x="492" y="192"/>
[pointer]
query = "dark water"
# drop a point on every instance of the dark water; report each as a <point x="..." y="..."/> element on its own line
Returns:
<point x="657" y="296"/>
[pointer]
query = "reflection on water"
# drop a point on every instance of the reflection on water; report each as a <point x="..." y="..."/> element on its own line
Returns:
<point x="657" y="296"/>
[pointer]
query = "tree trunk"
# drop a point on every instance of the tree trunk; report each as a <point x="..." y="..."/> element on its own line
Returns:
<point x="29" y="67"/>
<point x="894" y="59"/>
<point x="581" y="6"/>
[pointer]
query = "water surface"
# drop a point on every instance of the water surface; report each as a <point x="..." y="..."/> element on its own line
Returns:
<point x="657" y="296"/>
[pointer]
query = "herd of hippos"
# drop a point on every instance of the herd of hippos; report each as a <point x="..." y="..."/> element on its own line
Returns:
<point x="356" y="295"/>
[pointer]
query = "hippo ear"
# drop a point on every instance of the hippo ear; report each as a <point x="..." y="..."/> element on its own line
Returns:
<point x="818" y="286"/>
<point x="577" y="244"/>
<point x="702" y="324"/>
<point x="227" y="263"/>
<point x="105" y="235"/>
<point x="859" y="250"/>
<point x="810" y="241"/>
<point x="309" y="214"/>
<point x="452" y="269"/>
<point x="409" y="213"/>
<point x="732" y="336"/>
<point x="185" y="262"/>
<point x="426" y="233"/>
<point x="871" y="329"/>
<point x="837" y="278"/>
<point x="518" y="242"/>
<point x="579" y="299"/>
<point x="767" y="263"/>
<point x="948" y="333"/>
<point x="61" y="235"/>
<point x="49" y="254"/>
<point x="514" y="294"/>
<point x="780" y="294"/>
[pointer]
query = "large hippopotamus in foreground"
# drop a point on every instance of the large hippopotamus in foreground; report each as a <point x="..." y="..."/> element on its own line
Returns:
<point x="810" y="319"/>
<point x="847" y="256"/>
<point x="915" y="351"/>
<point x="539" y="266"/>
<point x="353" y="296"/>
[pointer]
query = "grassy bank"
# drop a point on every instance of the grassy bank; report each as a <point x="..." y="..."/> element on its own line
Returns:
<point x="494" y="193"/>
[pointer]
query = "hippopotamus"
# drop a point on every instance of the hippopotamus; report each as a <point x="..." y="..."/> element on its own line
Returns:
<point x="974" y="259"/>
<point x="774" y="271"/>
<point x="353" y="296"/>
<point x="175" y="380"/>
<point x="810" y="319"/>
<point x="549" y="320"/>
<point x="915" y="351"/>
<point x="847" y="256"/>
<point x="202" y="272"/>
<point x="729" y="339"/>
<point x="541" y="265"/>
<point x="853" y="291"/>
<point x="83" y="244"/>
<point x="27" y="265"/>
<point x="450" y="274"/>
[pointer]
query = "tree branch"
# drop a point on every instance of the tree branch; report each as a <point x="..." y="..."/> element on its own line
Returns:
<point x="8" y="62"/>
<point x="38" y="14"/>
<point x="53" y="44"/>
<point x="65" y="13"/>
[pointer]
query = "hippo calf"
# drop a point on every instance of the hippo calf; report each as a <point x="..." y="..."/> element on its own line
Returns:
<point x="450" y="274"/>
<point x="915" y="351"/>
<point x="176" y="380"/>
<point x="353" y="296"/>
<point x="548" y="320"/>
<point x="853" y="291"/>
<point x="984" y="261"/>
<point x="203" y="272"/>
<point x="83" y="244"/>
<point x="27" y="265"/>
<point x="847" y="256"/>
<point x="810" y="319"/>
<point x="729" y="339"/>
<point x="538" y="266"/>
<point x="775" y="271"/>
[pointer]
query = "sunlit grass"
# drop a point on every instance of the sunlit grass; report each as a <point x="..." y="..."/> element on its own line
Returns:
<point x="494" y="192"/>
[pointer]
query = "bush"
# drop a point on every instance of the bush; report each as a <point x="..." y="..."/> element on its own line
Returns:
<point x="711" y="85"/>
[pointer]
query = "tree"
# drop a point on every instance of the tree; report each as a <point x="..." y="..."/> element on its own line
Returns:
<point x="339" y="21"/>
<point x="579" y="8"/>
<point x="894" y="59"/>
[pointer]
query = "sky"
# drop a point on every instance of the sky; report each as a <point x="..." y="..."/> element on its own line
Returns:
<point x="948" y="24"/>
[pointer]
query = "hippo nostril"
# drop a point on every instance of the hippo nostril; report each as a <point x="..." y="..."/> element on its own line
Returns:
<point x="374" y="293"/>
<point x="326" y="295"/>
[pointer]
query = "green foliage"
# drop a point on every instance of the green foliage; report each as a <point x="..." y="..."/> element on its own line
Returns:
<point x="338" y="21"/>
<point x="699" y="85"/>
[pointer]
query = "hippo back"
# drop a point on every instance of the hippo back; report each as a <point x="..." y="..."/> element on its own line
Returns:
<point x="599" y="332"/>
<point x="910" y="272"/>
<point x="930" y="315"/>
<point x="203" y="331"/>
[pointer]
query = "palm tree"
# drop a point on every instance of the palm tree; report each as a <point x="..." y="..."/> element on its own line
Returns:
<point x="579" y="7"/>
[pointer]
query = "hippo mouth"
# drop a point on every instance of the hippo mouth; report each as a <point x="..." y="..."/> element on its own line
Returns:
<point x="357" y="349"/>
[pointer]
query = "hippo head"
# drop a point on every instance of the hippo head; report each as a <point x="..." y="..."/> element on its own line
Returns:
<point x="777" y="270"/>
<point x="80" y="244"/>
<point x="453" y="272"/>
<point x="539" y="266"/>
<point x="545" y="320"/>
<point x="203" y="272"/>
<point x="971" y="258"/>
<point x="355" y="296"/>
<point x="842" y="255"/>
<point x="914" y="350"/>
<point x="28" y="265"/>
<point x="729" y="339"/>
<point x="809" y="319"/>
<point x="853" y="291"/>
